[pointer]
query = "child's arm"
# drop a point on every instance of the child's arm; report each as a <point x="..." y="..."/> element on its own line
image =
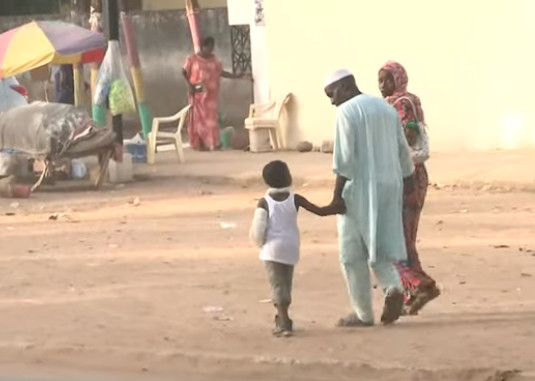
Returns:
<point x="257" y="233"/>
<point x="319" y="211"/>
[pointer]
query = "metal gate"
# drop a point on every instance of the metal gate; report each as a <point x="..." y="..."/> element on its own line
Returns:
<point x="240" y="39"/>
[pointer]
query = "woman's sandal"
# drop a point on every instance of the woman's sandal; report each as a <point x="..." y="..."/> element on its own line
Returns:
<point x="421" y="299"/>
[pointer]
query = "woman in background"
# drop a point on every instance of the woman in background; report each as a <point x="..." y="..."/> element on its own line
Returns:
<point x="203" y="72"/>
<point x="420" y="288"/>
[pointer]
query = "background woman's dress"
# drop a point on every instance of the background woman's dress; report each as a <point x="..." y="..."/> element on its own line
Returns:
<point x="202" y="126"/>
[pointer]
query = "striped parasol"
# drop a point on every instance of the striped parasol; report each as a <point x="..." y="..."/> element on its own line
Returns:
<point x="48" y="42"/>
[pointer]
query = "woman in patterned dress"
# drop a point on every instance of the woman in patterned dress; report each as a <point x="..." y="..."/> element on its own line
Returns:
<point x="420" y="288"/>
<point x="203" y="72"/>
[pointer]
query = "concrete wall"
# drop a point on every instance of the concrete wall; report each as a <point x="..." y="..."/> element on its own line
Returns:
<point x="241" y="12"/>
<point x="157" y="5"/>
<point x="10" y="22"/>
<point x="165" y="42"/>
<point x="469" y="61"/>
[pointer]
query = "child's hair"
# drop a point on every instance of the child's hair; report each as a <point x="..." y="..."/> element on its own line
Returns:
<point x="276" y="174"/>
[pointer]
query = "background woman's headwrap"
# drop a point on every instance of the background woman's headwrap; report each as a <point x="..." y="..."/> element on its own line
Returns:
<point x="401" y="80"/>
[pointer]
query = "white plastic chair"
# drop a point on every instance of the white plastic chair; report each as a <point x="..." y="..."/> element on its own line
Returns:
<point x="267" y="116"/>
<point x="157" y="137"/>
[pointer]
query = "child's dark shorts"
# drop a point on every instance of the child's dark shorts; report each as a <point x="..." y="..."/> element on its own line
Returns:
<point x="281" y="279"/>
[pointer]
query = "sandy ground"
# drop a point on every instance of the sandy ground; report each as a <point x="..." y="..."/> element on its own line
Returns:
<point x="113" y="286"/>
<point x="510" y="170"/>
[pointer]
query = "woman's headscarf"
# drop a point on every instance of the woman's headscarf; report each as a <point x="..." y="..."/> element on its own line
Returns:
<point x="401" y="80"/>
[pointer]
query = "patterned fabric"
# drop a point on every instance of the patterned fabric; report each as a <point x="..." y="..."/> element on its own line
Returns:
<point x="413" y="277"/>
<point x="401" y="81"/>
<point x="202" y="126"/>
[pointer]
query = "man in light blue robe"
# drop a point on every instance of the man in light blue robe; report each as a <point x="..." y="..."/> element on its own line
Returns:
<point x="371" y="162"/>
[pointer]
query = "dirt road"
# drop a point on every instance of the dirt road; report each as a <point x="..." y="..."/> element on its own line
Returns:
<point x="159" y="280"/>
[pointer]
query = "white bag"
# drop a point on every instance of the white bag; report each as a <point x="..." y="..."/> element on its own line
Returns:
<point x="113" y="88"/>
<point x="104" y="78"/>
<point x="420" y="150"/>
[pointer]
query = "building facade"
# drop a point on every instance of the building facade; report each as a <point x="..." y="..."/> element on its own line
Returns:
<point x="469" y="62"/>
<point x="164" y="5"/>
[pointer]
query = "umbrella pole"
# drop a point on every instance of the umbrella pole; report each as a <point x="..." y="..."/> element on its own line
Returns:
<point x="78" y="84"/>
<point x="111" y="15"/>
<point x="99" y="113"/>
<point x="192" y="12"/>
<point x="94" y="76"/>
<point x="45" y="88"/>
<point x="137" y="75"/>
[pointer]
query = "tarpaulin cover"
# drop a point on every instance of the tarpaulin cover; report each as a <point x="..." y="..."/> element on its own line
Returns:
<point x="51" y="130"/>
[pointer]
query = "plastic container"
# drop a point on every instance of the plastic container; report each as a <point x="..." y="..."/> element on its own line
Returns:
<point x="121" y="172"/>
<point x="225" y="137"/>
<point x="259" y="140"/>
<point x="138" y="152"/>
<point x="78" y="169"/>
<point x="22" y="191"/>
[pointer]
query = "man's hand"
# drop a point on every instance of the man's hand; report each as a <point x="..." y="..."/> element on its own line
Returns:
<point x="337" y="206"/>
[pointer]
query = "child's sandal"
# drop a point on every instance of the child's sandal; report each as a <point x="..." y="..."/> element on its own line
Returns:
<point x="282" y="330"/>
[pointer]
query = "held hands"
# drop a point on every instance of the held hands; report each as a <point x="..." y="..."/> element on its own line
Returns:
<point x="337" y="206"/>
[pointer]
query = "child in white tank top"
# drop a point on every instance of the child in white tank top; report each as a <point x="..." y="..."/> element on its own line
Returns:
<point x="275" y="231"/>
